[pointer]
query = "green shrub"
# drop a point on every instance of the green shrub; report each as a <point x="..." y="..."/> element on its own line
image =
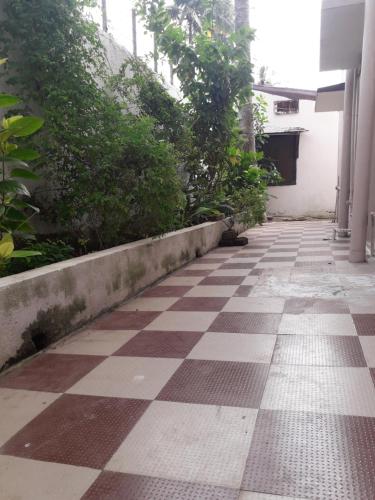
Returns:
<point x="110" y="177"/>
<point x="49" y="252"/>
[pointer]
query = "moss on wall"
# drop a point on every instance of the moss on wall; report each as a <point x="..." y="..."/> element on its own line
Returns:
<point x="169" y="262"/>
<point x="49" y="326"/>
<point x="135" y="273"/>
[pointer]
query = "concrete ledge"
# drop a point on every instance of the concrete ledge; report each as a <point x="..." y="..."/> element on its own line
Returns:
<point x="39" y="306"/>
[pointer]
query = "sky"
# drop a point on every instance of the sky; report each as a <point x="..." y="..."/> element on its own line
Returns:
<point x="286" y="40"/>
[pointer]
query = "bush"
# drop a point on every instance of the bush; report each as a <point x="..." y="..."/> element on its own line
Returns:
<point x="110" y="177"/>
<point x="50" y="252"/>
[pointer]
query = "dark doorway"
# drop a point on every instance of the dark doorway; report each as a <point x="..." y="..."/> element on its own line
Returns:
<point x="282" y="150"/>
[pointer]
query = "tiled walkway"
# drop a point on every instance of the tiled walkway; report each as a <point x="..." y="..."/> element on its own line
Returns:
<point x="245" y="375"/>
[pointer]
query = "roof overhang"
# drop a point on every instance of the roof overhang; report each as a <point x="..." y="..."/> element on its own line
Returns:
<point x="330" y="98"/>
<point x="287" y="92"/>
<point x="341" y="34"/>
<point x="284" y="131"/>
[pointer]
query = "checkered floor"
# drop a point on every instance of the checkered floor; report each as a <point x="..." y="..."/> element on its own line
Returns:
<point x="246" y="375"/>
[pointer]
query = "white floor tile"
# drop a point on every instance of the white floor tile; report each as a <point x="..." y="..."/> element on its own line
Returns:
<point x="190" y="442"/>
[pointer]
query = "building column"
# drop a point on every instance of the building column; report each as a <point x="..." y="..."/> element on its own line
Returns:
<point x="365" y="137"/>
<point x="346" y="153"/>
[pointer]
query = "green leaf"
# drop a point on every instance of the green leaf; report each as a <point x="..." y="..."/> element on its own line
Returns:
<point x="7" y="122"/>
<point x="23" y="204"/>
<point x="27" y="125"/>
<point x="21" y="254"/>
<point x="12" y="186"/>
<point x="6" y="246"/>
<point x="4" y="136"/>
<point x="24" y="174"/>
<point x="8" y="100"/>
<point x="23" y="154"/>
<point x="20" y="226"/>
<point x="15" y="215"/>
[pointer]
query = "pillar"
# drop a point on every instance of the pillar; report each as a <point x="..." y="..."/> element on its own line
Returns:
<point x="365" y="137"/>
<point x="346" y="146"/>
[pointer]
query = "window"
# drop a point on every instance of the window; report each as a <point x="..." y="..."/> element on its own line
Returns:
<point x="286" y="107"/>
<point x="282" y="151"/>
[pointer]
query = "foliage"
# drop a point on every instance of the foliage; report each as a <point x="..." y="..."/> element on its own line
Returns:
<point x="215" y="74"/>
<point x="195" y="14"/>
<point x="7" y="252"/>
<point x="122" y="159"/>
<point x="250" y="199"/>
<point x="13" y="168"/>
<point x="13" y="216"/>
<point x="260" y="119"/>
<point x="46" y="252"/>
<point x="141" y="93"/>
<point x="155" y="199"/>
<point x="98" y="162"/>
<point x="247" y="185"/>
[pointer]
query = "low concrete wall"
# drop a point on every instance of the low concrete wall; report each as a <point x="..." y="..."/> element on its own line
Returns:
<point x="39" y="306"/>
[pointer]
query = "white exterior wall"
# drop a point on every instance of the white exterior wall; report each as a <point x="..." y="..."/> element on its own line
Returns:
<point x="314" y="195"/>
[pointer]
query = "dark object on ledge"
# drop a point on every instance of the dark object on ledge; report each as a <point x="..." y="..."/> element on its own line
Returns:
<point x="230" y="238"/>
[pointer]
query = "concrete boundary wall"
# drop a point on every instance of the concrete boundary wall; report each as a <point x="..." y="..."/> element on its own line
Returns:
<point x="37" y="307"/>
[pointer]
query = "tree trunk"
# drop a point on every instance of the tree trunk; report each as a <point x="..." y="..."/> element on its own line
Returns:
<point x="241" y="11"/>
<point x="134" y="32"/>
<point x="156" y="53"/>
<point x="104" y="16"/>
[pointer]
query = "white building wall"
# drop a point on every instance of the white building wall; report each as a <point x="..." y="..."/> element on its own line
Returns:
<point x="314" y="195"/>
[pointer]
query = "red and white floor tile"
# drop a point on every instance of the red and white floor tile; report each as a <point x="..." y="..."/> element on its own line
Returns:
<point x="247" y="375"/>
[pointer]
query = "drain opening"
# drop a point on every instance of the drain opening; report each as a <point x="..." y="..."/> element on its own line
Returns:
<point x="40" y="341"/>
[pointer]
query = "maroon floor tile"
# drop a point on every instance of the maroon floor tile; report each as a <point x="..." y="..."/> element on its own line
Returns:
<point x="217" y="383"/>
<point x="77" y="430"/>
<point x="278" y="259"/>
<point x="160" y="344"/>
<point x="166" y="291"/>
<point x="222" y="280"/>
<point x="309" y="455"/>
<point x="116" y="486"/>
<point x="238" y="265"/>
<point x="50" y="372"/>
<point x="301" y="305"/>
<point x="246" y="323"/>
<point x="192" y="272"/>
<point x="125" y="320"/>
<point x="364" y="323"/>
<point x="320" y="350"/>
<point x="243" y="291"/>
<point x="199" y="304"/>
